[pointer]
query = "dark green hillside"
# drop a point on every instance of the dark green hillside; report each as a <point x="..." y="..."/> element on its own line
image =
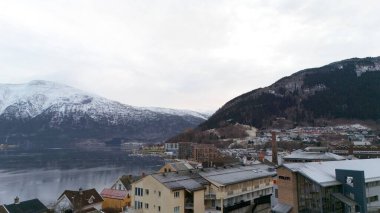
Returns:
<point x="348" y="89"/>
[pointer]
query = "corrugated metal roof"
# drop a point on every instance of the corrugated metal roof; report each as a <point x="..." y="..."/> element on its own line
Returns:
<point x="302" y="155"/>
<point x="114" y="194"/>
<point x="236" y="174"/>
<point x="195" y="180"/>
<point x="174" y="181"/>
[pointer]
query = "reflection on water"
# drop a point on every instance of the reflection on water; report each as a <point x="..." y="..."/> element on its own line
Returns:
<point x="45" y="174"/>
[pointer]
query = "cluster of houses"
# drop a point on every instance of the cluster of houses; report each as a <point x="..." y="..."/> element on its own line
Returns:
<point x="114" y="199"/>
<point x="309" y="180"/>
<point x="177" y="187"/>
<point x="302" y="183"/>
<point x="356" y="133"/>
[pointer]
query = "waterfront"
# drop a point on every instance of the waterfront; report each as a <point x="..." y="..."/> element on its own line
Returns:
<point x="46" y="173"/>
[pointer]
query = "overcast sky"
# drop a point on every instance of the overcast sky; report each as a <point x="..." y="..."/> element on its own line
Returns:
<point x="185" y="54"/>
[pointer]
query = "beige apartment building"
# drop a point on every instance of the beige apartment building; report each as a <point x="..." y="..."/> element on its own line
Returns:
<point x="239" y="188"/>
<point x="216" y="190"/>
<point x="169" y="192"/>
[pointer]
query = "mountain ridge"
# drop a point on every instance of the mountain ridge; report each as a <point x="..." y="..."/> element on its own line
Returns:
<point x="47" y="108"/>
<point x="298" y="96"/>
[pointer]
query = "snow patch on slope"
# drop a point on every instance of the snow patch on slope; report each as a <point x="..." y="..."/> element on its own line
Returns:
<point x="360" y="69"/>
<point x="176" y="112"/>
<point x="36" y="97"/>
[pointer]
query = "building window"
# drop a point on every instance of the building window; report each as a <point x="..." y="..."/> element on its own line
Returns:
<point x="283" y="178"/>
<point x="138" y="205"/>
<point x="147" y="191"/>
<point x="159" y="193"/>
<point x="276" y="193"/>
<point x="159" y="208"/>
<point x="373" y="199"/>
<point x="147" y="205"/>
<point x="176" y="194"/>
<point x="176" y="209"/>
<point x="139" y="191"/>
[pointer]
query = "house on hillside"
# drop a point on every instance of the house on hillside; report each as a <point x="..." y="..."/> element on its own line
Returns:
<point x="79" y="201"/>
<point x="119" y="195"/>
<point x="28" y="206"/>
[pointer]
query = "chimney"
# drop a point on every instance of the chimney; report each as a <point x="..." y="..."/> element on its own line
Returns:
<point x="80" y="191"/>
<point x="274" y="148"/>
<point x="351" y="149"/>
<point x="261" y="156"/>
<point x="17" y="200"/>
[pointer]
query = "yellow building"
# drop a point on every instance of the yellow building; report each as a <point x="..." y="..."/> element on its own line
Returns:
<point x="115" y="199"/>
<point x="169" y="192"/>
<point x="119" y="195"/>
<point x="227" y="189"/>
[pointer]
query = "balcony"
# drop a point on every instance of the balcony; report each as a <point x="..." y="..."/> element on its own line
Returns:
<point x="213" y="210"/>
<point x="235" y="206"/>
<point x="210" y="196"/>
<point x="189" y="205"/>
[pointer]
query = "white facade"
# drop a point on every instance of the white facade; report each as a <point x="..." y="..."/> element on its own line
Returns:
<point x="64" y="204"/>
<point x="118" y="186"/>
<point x="373" y="193"/>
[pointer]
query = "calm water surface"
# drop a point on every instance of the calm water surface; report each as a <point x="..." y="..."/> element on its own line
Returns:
<point x="46" y="173"/>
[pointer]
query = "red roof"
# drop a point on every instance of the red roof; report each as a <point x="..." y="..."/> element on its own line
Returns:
<point x="113" y="193"/>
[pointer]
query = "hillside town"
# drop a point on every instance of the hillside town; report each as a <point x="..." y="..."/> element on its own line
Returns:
<point x="141" y="106"/>
<point x="331" y="171"/>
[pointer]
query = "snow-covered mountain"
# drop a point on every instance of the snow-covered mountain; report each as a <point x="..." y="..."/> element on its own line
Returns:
<point x="40" y="109"/>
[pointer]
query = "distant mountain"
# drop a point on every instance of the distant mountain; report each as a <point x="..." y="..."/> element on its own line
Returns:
<point x="348" y="90"/>
<point x="51" y="113"/>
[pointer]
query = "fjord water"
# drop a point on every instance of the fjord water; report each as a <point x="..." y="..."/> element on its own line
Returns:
<point x="46" y="173"/>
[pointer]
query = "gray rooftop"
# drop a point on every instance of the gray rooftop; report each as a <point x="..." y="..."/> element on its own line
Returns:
<point x="174" y="181"/>
<point x="324" y="172"/>
<point x="302" y="155"/>
<point x="237" y="174"/>
<point x="179" y="166"/>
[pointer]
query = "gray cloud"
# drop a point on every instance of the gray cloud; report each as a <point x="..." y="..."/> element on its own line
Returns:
<point x="180" y="54"/>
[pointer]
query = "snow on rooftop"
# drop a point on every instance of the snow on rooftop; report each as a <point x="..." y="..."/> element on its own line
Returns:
<point x="354" y="126"/>
<point x="299" y="154"/>
<point x="324" y="172"/>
